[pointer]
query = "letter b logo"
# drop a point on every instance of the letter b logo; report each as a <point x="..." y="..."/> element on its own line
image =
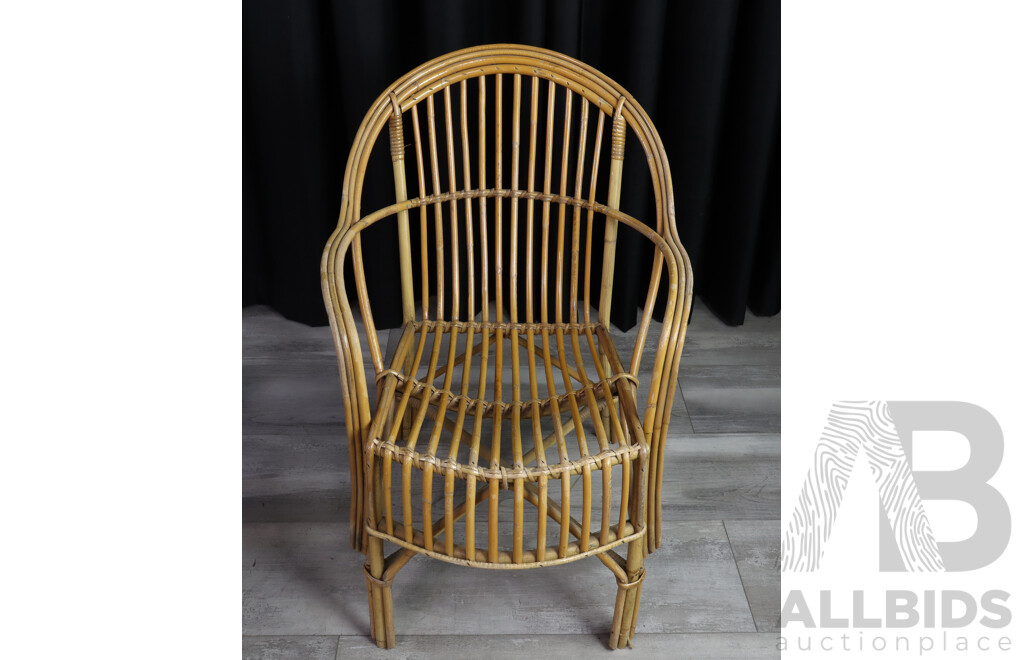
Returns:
<point x="967" y="484"/>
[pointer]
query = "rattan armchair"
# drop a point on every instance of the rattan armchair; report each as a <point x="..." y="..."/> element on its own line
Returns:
<point x="503" y="379"/>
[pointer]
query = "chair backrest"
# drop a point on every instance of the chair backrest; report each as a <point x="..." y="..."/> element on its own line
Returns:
<point x="511" y="194"/>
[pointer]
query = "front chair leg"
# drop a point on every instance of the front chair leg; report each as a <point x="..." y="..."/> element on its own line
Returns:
<point x="627" y="600"/>
<point x="382" y="611"/>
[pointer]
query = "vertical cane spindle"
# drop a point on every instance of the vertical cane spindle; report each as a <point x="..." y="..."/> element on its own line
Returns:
<point x="546" y="208"/>
<point x="467" y="185"/>
<point x="482" y="183"/>
<point x="513" y="278"/>
<point x="560" y="254"/>
<point x="454" y="205"/>
<point x="574" y="264"/>
<point x="422" y="192"/>
<point x="438" y="208"/>
<point x="590" y="217"/>
<point x="531" y="168"/>
<point x="611" y="226"/>
<point x="404" y="249"/>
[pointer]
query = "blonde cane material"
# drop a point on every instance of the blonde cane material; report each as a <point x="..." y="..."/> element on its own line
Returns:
<point x="444" y="410"/>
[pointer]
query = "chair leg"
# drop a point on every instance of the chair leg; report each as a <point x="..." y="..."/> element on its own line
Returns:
<point x="627" y="600"/>
<point x="382" y="612"/>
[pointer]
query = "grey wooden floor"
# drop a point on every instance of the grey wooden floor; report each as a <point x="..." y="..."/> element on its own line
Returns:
<point x="714" y="587"/>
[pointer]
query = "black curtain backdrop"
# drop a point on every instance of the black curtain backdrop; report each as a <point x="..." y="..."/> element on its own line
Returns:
<point x="706" y="71"/>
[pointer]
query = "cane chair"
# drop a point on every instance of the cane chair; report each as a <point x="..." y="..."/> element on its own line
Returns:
<point x="502" y="379"/>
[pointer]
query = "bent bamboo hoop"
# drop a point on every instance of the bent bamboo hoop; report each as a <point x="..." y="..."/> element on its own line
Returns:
<point x="571" y="410"/>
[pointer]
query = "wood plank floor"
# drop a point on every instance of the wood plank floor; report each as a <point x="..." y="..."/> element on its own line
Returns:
<point x="717" y="589"/>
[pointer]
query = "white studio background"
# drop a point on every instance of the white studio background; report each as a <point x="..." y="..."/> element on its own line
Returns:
<point x="120" y="268"/>
<point x="902" y="204"/>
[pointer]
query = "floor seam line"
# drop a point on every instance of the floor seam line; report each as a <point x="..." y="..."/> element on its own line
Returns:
<point x="739" y="574"/>
<point x="682" y="397"/>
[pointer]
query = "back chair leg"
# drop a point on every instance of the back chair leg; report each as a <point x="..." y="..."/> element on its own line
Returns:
<point x="627" y="600"/>
<point x="382" y="611"/>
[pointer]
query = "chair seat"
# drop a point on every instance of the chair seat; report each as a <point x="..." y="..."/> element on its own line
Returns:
<point x="573" y="412"/>
<point x="545" y="417"/>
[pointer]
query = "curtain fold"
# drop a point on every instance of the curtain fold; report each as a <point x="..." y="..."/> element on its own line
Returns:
<point x="707" y="72"/>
